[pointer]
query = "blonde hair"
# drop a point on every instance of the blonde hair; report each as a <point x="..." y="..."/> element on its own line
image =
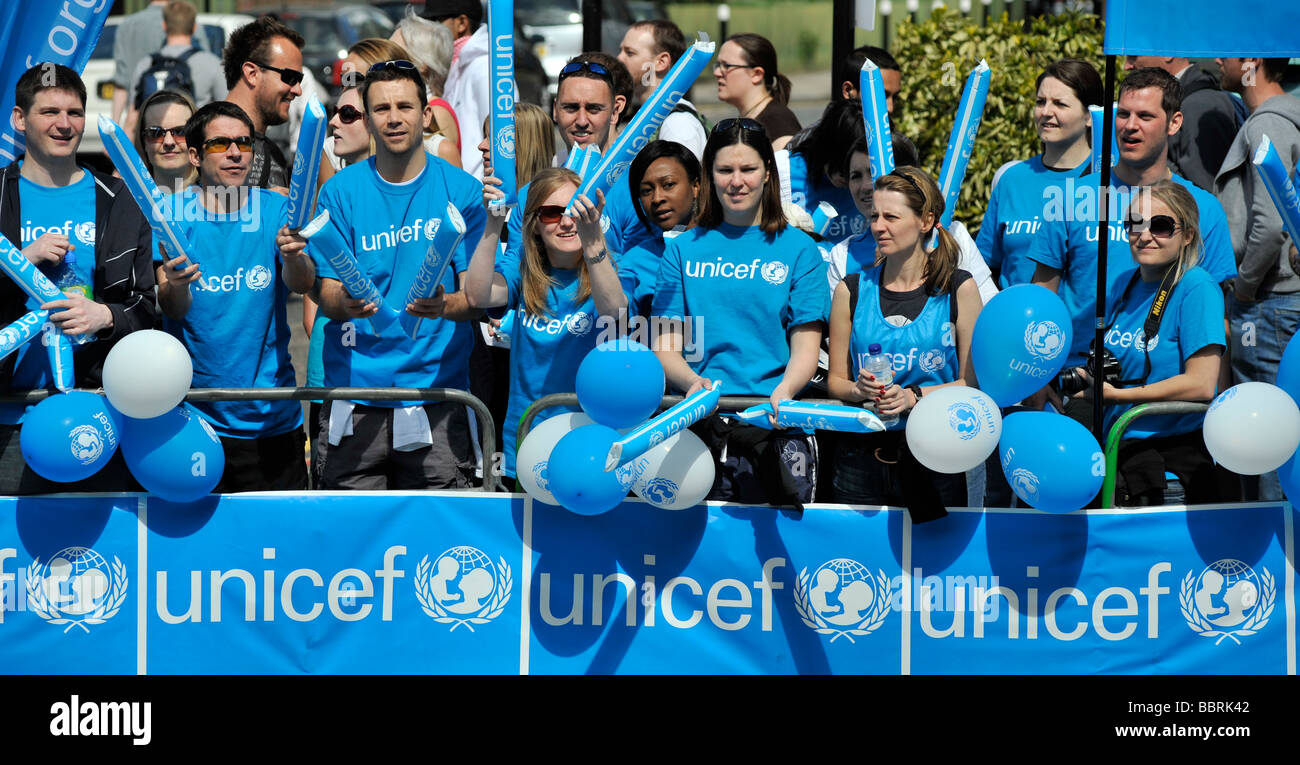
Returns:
<point x="1186" y="214"/>
<point x="535" y="268"/>
<point x="923" y="196"/>
<point x="534" y="141"/>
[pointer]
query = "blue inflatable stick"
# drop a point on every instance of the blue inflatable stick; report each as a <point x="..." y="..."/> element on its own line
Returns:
<point x="446" y="238"/>
<point x="146" y="194"/>
<point x="1277" y="178"/>
<point x="962" y="141"/>
<point x="875" y="114"/>
<point x="328" y="244"/>
<point x="822" y="217"/>
<point x="810" y="416"/>
<point x="647" y="121"/>
<point x="1098" y="126"/>
<point x="306" y="164"/>
<point x="689" y="411"/>
<point x="21" y="331"/>
<point x="501" y="32"/>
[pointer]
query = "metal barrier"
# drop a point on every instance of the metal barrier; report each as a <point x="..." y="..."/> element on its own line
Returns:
<point x="725" y="404"/>
<point x="1116" y="434"/>
<point x="487" y="426"/>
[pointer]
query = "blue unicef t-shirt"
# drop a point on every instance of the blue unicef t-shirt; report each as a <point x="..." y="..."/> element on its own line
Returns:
<point x="861" y="250"/>
<point x="803" y="192"/>
<point x="1014" y="215"/>
<point x="1193" y="320"/>
<point x="546" y="350"/>
<point x="640" y="267"/>
<point x="237" y="328"/>
<point x="740" y="291"/>
<point x="1070" y="245"/>
<point x="388" y="226"/>
<point x="67" y="210"/>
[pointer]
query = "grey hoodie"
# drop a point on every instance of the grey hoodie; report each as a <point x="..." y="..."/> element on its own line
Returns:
<point x="1261" y="248"/>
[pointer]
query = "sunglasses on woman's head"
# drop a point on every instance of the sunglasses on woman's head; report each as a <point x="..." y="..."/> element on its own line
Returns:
<point x="221" y="144"/>
<point x="1160" y="226"/>
<point x="396" y="63"/>
<point x="349" y="114"/>
<point x="156" y="133"/>
<point x="745" y="124"/>
<point x="550" y="214"/>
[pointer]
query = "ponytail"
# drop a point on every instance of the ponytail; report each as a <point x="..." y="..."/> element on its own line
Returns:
<point x="780" y="89"/>
<point x="942" y="261"/>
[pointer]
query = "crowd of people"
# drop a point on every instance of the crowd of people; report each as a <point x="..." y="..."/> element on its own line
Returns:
<point x="707" y="238"/>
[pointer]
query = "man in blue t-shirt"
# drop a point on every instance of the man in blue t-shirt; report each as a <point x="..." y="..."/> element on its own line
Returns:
<point x="386" y="210"/>
<point x="84" y="231"/>
<point x="1066" y="248"/>
<point x="228" y="305"/>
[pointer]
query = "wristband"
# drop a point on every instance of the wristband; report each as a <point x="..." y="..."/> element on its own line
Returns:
<point x="916" y="391"/>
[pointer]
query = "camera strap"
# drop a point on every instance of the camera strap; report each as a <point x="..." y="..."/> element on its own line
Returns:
<point x="1151" y="326"/>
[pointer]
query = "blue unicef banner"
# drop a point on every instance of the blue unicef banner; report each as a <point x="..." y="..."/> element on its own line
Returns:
<point x="34" y="32"/>
<point x="391" y="583"/>
<point x="1202" y="28"/>
<point x="69" y="584"/>
<point x="451" y="583"/>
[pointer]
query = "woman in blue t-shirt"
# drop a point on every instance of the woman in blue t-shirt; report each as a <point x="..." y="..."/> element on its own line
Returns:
<point x="1174" y="356"/>
<point x="749" y="291"/>
<point x="564" y="291"/>
<point x="1064" y="91"/>
<point x="665" y="183"/>
<point x="921" y="309"/>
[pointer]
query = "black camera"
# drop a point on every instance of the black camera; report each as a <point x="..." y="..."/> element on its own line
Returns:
<point x="1070" y="382"/>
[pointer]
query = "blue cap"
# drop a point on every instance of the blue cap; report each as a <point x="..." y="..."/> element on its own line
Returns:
<point x="873" y="349"/>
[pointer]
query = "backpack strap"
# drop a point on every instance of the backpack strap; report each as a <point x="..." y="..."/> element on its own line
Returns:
<point x="851" y="283"/>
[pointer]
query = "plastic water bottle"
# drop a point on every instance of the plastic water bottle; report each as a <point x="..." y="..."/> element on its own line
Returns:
<point x="66" y="278"/>
<point x="881" y="366"/>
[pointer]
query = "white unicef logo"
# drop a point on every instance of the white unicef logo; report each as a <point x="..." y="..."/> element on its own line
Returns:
<point x="1227" y="593"/>
<point x="259" y="278"/>
<point x="616" y="172"/>
<point x="431" y="228"/>
<point x="774" y="272"/>
<point x="85" y="232"/>
<point x="578" y="323"/>
<point x="931" y="361"/>
<point x="1025" y="485"/>
<point x="8" y="338"/>
<point x="506" y="142"/>
<point x="964" y="421"/>
<point x="77" y="582"/>
<point x="86" y="444"/>
<point x="1141" y="343"/>
<point x="299" y="163"/>
<point x="660" y="491"/>
<point x="463" y="586"/>
<point x="656" y="438"/>
<point x="1044" y="339"/>
<point x="842" y="598"/>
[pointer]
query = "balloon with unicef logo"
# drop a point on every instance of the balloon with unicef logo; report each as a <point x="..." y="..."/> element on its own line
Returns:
<point x="532" y="458"/>
<point x="147" y="374"/>
<point x="675" y="475"/>
<point x="1022" y="339"/>
<point x="1252" y="428"/>
<point x="953" y="429"/>
<point x="176" y="456"/>
<point x="69" y="436"/>
<point x="1052" y="462"/>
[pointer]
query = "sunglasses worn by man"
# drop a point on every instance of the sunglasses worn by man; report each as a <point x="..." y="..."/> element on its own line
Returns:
<point x="221" y="144"/>
<point x="289" y="77"/>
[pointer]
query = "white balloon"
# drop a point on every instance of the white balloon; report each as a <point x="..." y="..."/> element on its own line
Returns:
<point x="147" y="374"/>
<point x="954" y="428"/>
<point x="1252" y="428"/>
<point x="533" y="454"/>
<point x="676" y="474"/>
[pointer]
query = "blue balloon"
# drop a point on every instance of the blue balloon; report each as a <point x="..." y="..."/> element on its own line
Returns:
<point x="1288" y="370"/>
<point x="176" y="456"/>
<point x="1051" y="461"/>
<point x="620" y="383"/>
<point x="1022" y="339"/>
<point x="69" y="436"/>
<point x="577" y="471"/>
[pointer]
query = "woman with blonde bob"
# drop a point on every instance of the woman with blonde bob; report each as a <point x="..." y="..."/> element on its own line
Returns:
<point x="566" y="283"/>
<point x="919" y="309"/>
<point x="1170" y="356"/>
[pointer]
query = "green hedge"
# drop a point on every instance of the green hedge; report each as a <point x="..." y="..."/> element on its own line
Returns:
<point x="931" y="90"/>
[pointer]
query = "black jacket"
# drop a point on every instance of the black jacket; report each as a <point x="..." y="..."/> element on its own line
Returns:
<point x="124" y="271"/>
<point x="1210" y="124"/>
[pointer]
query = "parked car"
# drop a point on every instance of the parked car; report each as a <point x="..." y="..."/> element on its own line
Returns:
<point x="530" y="77"/>
<point x="329" y="32"/>
<point x="210" y="34"/>
<point x="555" y="29"/>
